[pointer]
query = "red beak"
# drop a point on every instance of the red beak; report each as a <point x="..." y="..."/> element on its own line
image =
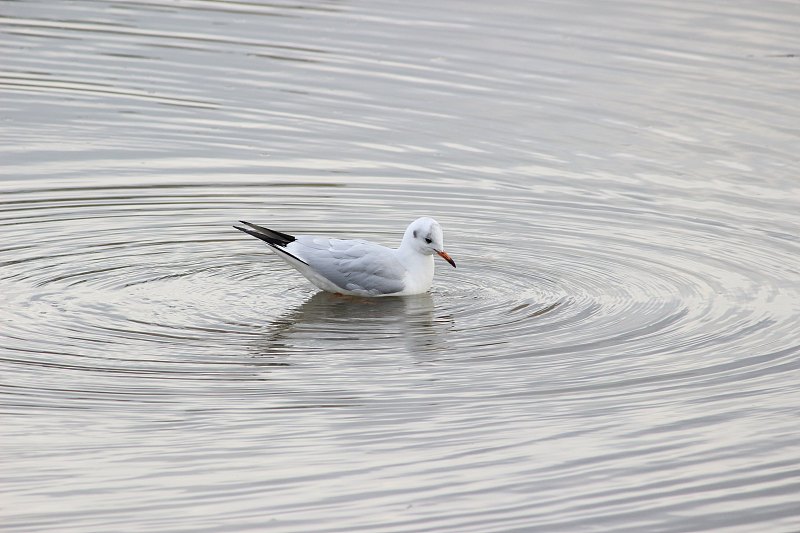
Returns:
<point x="446" y="257"/>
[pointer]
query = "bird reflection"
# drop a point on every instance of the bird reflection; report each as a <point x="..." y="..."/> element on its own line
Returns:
<point x="331" y="322"/>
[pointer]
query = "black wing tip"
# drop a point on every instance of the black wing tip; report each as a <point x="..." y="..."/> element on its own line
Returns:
<point x="285" y="238"/>
<point x="270" y="236"/>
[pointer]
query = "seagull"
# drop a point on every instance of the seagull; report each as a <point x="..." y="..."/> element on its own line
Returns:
<point x="360" y="268"/>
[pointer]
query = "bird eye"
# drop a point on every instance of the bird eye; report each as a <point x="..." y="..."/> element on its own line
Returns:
<point x="428" y="241"/>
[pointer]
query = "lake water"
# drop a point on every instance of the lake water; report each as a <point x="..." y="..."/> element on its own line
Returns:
<point x="618" y="349"/>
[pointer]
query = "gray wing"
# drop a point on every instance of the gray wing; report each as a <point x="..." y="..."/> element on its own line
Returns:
<point x="353" y="265"/>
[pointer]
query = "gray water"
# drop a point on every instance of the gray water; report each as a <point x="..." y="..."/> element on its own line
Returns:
<point x="617" y="351"/>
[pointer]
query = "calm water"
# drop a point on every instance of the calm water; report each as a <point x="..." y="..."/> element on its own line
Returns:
<point x="617" y="351"/>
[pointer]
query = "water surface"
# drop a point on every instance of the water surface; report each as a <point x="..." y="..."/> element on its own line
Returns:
<point x="617" y="351"/>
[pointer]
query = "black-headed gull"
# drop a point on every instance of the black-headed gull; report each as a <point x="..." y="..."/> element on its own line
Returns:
<point x="361" y="268"/>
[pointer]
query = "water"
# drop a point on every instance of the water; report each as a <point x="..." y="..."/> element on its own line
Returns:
<point x="617" y="351"/>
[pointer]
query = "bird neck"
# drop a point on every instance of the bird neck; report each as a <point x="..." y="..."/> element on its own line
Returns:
<point x="419" y="276"/>
<point x="413" y="260"/>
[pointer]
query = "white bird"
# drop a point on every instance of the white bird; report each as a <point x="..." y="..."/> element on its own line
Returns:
<point x="361" y="268"/>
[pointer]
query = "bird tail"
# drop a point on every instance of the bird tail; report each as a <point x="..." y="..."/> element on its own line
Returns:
<point x="269" y="236"/>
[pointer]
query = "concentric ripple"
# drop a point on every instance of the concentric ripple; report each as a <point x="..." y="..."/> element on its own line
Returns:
<point x="137" y="288"/>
